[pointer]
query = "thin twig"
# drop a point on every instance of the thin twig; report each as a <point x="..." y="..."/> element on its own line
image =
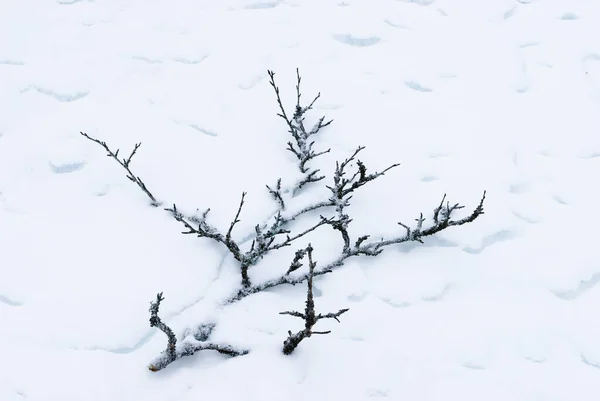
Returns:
<point x="125" y="163"/>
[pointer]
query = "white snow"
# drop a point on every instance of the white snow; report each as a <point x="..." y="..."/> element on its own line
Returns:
<point x="498" y="95"/>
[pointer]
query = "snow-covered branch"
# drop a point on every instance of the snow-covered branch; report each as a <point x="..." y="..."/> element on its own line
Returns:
<point x="309" y="316"/>
<point x="125" y="163"/>
<point x="349" y="176"/>
<point x="175" y="352"/>
<point x="442" y="219"/>
<point x="303" y="146"/>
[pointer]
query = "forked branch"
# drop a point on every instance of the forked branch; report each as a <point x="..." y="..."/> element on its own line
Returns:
<point x="205" y="230"/>
<point x="125" y="163"/>
<point x="309" y="316"/>
<point x="363" y="247"/>
<point x="302" y="146"/>
<point x="190" y="347"/>
<point x="349" y="175"/>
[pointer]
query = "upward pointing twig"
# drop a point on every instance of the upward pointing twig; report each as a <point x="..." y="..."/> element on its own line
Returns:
<point x="236" y="219"/>
<point x="302" y="147"/>
<point x="265" y="236"/>
<point x="363" y="247"/>
<point x="309" y="316"/>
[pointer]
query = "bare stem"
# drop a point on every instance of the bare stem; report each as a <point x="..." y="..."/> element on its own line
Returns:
<point x="125" y="163"/>
<point x="309" y="316"/>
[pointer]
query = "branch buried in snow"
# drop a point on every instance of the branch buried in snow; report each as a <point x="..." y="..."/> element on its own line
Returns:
<point x="309" y="316"/>
<point x="349" y="176"/>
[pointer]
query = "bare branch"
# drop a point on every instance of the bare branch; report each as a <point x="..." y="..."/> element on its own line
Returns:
<point x="205" y="230"/>
<point x="343" y="187"/>
<point x="288" y="241"/>
<point x="125" y="163"/>
<point x="296" y="264"/>
<point x="309" y="316"/>
<point x="282" y="113"/>
<point x="362" y="247"/>
<point x="348" y="176"/>
<point x="308" y="178"/>
<point x="442" y="220"/>
<point x="335" y="315"/>
<point x="236" y="219"/>
<point x="302" y="148"/>
<point x="276" y="194"/>
<point x="155" y="321"/>
<point x="173" y="352"/>
<point x="341" y="224"/>
<point x="293" y="313"/>
<point x="342" y="190"/>
<point x="311" y="208"/>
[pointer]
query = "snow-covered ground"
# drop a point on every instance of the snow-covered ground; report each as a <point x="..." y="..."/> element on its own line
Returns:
<point x="468" y="95"/>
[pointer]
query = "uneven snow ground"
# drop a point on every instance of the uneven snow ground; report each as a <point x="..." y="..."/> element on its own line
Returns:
<point x="467" y="95"/>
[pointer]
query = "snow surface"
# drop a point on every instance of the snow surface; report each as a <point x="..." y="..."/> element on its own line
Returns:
<point x="500" y="95"/>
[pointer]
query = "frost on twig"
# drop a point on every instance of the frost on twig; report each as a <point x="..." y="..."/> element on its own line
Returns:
<point x="125" y="163"/>
<point x="277" y="195"/>
<point x="441" y="220"/>
<point x="266" y="239"/>
<point x="173" y="352"/>
<point x="309" y="316"/>
<point x="275" y="234"/>
<point x="203" y="229"/>
<point x="348" y="176"/>
<point x="302" y="146"/>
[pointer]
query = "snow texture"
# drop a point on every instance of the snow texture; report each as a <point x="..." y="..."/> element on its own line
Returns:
<point x="499" y="95"/>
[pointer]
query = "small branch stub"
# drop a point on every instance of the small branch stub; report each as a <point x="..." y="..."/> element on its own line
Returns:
<point x="302" y="146"/>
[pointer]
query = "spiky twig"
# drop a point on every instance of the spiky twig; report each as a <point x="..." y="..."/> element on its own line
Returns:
<point x="442" y="219"/>
<point x="309" y="316"/>
<point x="345" y="186"/>
<point x="342" y="188"/>
<point x="263" y="242"/>
<point x="303" y="146"/>
<point x="341" y="192"/>
<point x="264" y="239"/>
<point x="205" y="230"/>
<point x="125" y="163"/>
<point x="265" y="236"/>
<point x="276" y="194"/>
<point x="235" y="220"/>
<point x="367" y="248"/>
<point x="296" y="263"/>
<point x="173" y="353"/>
